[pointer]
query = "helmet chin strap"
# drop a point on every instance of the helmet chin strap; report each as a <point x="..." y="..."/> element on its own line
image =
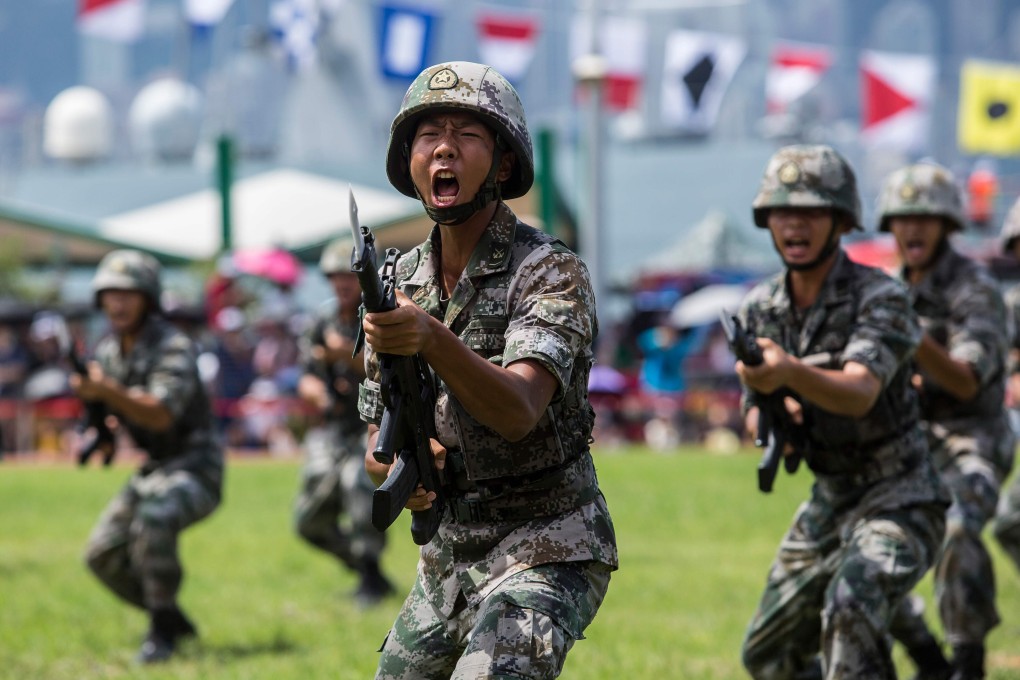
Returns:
<point x="489" y="191"/>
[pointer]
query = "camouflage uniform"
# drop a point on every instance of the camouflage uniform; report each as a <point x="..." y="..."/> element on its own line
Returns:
<point x="133" y="548"/>
<point x="873" y="523"/>
<point x="1006" y="526"/>
<point x="334" y="482"/>
<point x="960" y="307"/>
<point x="521" y="562"/>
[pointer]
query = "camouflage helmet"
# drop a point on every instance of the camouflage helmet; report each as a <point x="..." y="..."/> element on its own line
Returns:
<point x="128" y="270"/>
<point x="807" y="176"/>
<point x="1011" y="228"/>
<point x="336" y="257"/>
<point x="462" y="86"/>
<point x="921" y="189"/>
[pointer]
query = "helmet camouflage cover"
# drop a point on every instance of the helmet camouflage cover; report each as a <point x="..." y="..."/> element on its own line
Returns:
<point x="807" y="176"/>
<point x="336" y="257"/>
<point x="462" y="86"/>
<point x="921" y="189"/>
<point x="1011" y="228"/>
<point x="128" y="270"/>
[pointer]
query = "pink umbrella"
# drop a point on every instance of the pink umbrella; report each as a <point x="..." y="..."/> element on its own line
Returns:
<point x="275" y="264"/>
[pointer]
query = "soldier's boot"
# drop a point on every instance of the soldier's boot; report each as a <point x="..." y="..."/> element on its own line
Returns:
<point x="373" y="586"/>
<point x="931" y="662"/>
<point x="968" y="662"/>
<point x="166" y="628"/>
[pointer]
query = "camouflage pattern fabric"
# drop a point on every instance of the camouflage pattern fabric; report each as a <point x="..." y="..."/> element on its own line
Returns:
<point x="807" y="176"/>
<point x="524" y="629"/>
<point x="468" y="87"/>
<point x="874" y="521"/>
<point x="921" y="189"/>
<point x="1006" y="526"/>
<point x="972" y="442"/>
<point x="1010" y="228"/>
<point x="333" y="511"/>
<point x="133" y="548"/>
<point x="522" y="295"/>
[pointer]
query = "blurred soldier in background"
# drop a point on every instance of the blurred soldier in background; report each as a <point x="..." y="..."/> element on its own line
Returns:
<point x="335" y="485"/>
<point x="1007" y="520"/>
<point x="875" y="518"/>
<point x="505" y="317"/>
<point x="961" y="379"/>
<point x="145" y="375"/>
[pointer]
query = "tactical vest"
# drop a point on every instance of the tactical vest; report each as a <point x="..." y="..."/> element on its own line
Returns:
<point x="550" y="470"/>
<point x="845" y="446"/>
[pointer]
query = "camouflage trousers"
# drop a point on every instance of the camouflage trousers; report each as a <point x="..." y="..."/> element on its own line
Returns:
<point x="832" y="590"/>
<point x="333" y="511"/>
<point x="523" y="629"/>
<point x="964" y="578"/>
<point x="133" y="547"/>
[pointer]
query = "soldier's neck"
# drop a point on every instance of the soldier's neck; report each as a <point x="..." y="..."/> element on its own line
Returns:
<point x="806" y="285"/>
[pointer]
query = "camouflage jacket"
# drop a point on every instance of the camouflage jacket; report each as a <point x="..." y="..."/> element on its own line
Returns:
<point x="959" y="305"/>
<point x="340" y="378"/>
<point x="523" y="295"/>
<point x="1011" y="296"/>
<point x="163" y="363"/>
<point x="861" y="315"/>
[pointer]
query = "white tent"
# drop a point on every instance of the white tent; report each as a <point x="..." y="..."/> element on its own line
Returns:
<point x="285" y="208"/>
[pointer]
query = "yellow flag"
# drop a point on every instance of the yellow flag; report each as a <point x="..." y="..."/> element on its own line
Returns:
<point x="989" y="115"/>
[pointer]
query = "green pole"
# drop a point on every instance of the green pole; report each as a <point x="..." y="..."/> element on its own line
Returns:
<point x="547" y="180"/>
<point x="224" y="180"/>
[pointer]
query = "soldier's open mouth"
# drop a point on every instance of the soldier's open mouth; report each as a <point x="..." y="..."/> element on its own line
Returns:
<point x="445" y="188"/>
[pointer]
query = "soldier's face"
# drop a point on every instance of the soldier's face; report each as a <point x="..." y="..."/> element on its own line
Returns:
<point x="347" y="289"/>
<point x="917" y="238"/>
<point x="800" y="234"/>
<point x="125" y="309"/>
<point x="451" y="154"/>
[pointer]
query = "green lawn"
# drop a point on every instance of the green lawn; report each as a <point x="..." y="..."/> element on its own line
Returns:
<point x="695" y="540"/>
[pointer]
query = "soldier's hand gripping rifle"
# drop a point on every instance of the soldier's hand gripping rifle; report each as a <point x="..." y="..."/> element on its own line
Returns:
<point x="408" y="395"/>
<point x="97" y="436"/>
<point x="772" y="419"/>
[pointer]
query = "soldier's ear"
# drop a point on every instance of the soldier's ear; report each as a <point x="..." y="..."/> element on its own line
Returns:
<point x="506" y="166"/>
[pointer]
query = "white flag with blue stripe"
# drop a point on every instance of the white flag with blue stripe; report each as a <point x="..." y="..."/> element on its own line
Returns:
<point x="404" y="41"/>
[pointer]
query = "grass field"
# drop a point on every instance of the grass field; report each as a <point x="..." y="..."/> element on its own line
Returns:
<point x="695" y="540"/>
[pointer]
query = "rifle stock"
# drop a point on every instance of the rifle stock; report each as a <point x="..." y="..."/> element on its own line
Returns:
<point x="408" y="421"/>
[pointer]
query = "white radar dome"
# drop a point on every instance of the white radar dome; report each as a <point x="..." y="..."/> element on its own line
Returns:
<point x="165" y="120"/>
<point x="78" y="125"/>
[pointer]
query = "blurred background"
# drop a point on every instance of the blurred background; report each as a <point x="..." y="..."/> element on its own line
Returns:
<point x="222" y="136"/>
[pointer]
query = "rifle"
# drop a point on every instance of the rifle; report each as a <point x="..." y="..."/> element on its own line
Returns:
<point x="771" y="411"/>
<point x="95" y="419"/>
<point x="408" y="395"/>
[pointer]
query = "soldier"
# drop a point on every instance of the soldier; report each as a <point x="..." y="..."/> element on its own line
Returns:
<point x="873" y="523"/>
<point x="505" y="317"/>
<point x="961" y="373"/>
<point x="145" y="374"/>
<point x="1006" y="526"/>
<point x="334" y="480"/>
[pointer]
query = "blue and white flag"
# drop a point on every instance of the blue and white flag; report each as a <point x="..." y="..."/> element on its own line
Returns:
<point x="404" y="41"/>
<point x="295" y="27"/>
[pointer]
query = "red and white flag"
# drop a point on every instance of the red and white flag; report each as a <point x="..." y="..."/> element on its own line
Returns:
<point x="506" y="42"/>
<point x="622" y="42"/>
<point x="896" y="93"/>
<point x="793" y="71"/>
<point x="117" y="20"/>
